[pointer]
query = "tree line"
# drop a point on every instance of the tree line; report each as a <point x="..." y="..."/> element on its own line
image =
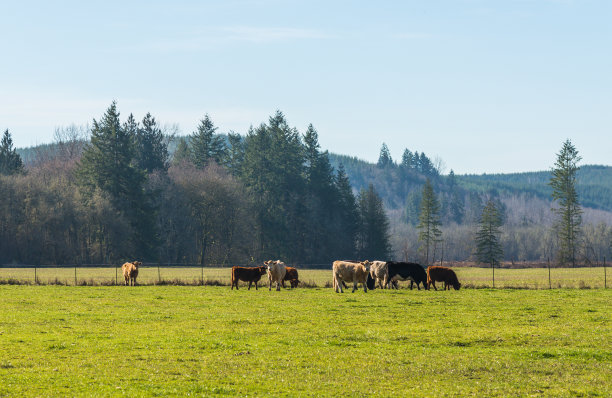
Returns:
<point x="120" y="195"/>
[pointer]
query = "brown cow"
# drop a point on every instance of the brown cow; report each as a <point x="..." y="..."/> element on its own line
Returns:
<point x="442" y="274"/>
<point x="130" y="272"/>
<point x="292" y="277"/>
<point x="247" y="274"/>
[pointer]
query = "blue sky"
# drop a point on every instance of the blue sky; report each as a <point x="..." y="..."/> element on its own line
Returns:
<point x="487" y="86"/>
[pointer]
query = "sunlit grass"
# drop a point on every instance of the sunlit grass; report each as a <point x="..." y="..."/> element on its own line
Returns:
<point x="203" y="340"/>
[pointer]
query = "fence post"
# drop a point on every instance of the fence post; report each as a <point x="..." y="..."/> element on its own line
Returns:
<point x="493" y="268"/>
<point x="35" y="276"/>
<point x="549" y="283"/>
<point x="75" y="277"/>
<point x="158" y="274"/>
<point x="202" y="274"/>
<point x="116" y="275"/>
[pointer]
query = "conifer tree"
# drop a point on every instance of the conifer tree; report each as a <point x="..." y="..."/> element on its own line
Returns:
<point x="374" y="239"/>
<point x="384" y="160"/>
<point x="151" y="150"/>
<point x="10" y="161"/>
<point x="107" y="165"/>
<point x="488" y="247"/>
<point x="349" y="216"/>
<point x="569" y="211"/>
<point x="235" y="153"/>
<point x="181" y="153"/>
<point x="206" y="145"/>
<point x="429" y="220"/>
<point x="407" y="159"/>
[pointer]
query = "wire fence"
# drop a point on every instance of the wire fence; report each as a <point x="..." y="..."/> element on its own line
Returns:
<point x="311" y="275"/>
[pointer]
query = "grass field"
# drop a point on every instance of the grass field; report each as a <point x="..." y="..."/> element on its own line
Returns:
<point x="532" y="278"/>
<point x="212" y="341"/>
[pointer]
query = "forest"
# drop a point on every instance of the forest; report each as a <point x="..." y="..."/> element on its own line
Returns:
<point x="113" y="192"/>
<point x="120" y="190"/>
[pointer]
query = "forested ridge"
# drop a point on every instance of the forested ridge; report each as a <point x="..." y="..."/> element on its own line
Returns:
<point x="270" y="193"/>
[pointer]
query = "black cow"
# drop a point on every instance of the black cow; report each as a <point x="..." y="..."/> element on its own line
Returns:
<point x="407" y="271"/>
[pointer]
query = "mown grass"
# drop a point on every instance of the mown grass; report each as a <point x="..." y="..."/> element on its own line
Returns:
<point x="471" y="277"/>
<point x="209" y="341"/>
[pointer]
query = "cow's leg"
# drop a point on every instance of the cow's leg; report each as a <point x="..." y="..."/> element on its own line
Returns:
<point x="269" y="285"/>
<point x="255" y="285"/>
<point x="278" y="286"/>
<point x="411" y="282"/>
<point x="283" y="283"/>
<point x="434" y="285"/>
<point x="250" y="282"/>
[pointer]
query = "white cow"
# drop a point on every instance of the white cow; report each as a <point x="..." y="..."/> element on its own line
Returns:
<point x="380" y="273"/>
<point x="350" y="272"/>
<point x="276" y="273"/>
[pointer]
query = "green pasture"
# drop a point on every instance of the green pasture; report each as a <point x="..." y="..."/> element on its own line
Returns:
<point x="212" y="341"/>
<point x="531" y="278"/>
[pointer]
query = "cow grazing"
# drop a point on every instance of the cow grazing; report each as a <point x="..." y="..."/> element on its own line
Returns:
<point x="276" y="273"/>
<point x="247" y="274"/>
<point x="350" y="272"/>
<point x="401" y="271"/>
<point x="380" y="273"/>
<point x="436" y="273"/>
<point x="292" y="277"/>
<point x="130" y="272"/>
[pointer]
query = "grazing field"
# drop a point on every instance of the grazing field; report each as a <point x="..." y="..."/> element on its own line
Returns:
<point x="525" y="278"/>
<point x="208" y="340"/>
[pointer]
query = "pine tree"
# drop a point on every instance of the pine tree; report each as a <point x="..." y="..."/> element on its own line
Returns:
<point x="10" y="161"/>
<point x="107" y="165"/>
<point x="349" y="216"/>
<point x="235" y="153"/>
<point x="429" y="220"/>
<point x="384" y="160"/>
<point x="455" y="207"/>
<point x="206" y="145"/>
<point x="151" y="150"/>
<point x="569" y="211"/>
<point x="488" y="247"/>
<point x="407" y="159"/>
<point x="374" y="238"/>
<point x="181" y="153"/>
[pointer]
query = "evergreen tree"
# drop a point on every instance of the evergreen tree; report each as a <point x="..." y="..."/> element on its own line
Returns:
<point x="412" y="207"/>
<point x="10" y="161"/>
<point x="107" y="165"/>
<point x="374" y="238"/>
<point x="455" y="206"/>
<point x="273" y="171"/>
<point x="181" y="153"/>
<point x="384" y="160"/>
<point x="151" y="150"/>
<point x="429" y="220"/>
<point x="321" y="200"/>
<point x="206" y="145"/>
<point x="569" y="211"/>
<point x="407" y="159"/>
<point x="349" y="216"/>
<point x="488" y="247"/>
<point x="235" y="152"/>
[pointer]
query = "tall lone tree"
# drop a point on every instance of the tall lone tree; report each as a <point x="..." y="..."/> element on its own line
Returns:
<point x="10" y="161"/>
<point x="568" y="211"/>
<point x="488" y="248"/>
<point x="429" y="220"/>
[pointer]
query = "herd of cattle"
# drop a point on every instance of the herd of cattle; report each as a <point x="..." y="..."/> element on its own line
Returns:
<point x="369" y="273"/>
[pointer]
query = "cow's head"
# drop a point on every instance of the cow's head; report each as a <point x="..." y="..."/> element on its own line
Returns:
<point x="366" y="264"/>
<point x="137" y="263"/>
<point x="457" y="286"/>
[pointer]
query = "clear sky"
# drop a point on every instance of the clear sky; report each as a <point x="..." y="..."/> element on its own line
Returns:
<point x="486" y="85"/>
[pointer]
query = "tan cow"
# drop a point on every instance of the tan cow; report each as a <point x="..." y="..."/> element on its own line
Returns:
<point x="380" y="273"/>
<point x="276" y="273"/>
<point x="345" y="271"/>
<point x="130" y="272"/>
